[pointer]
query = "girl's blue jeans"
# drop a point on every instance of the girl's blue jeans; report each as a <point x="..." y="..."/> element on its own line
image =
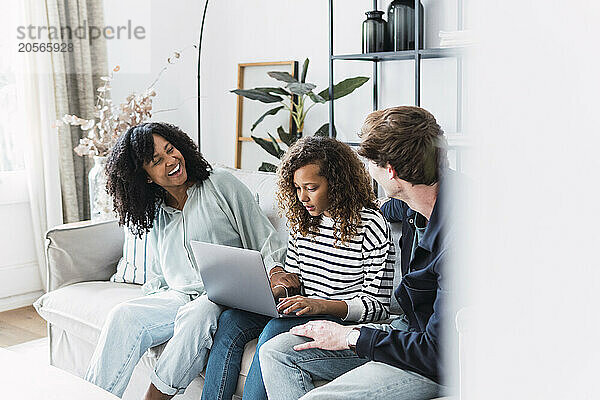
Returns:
<point x="236" y="328"/>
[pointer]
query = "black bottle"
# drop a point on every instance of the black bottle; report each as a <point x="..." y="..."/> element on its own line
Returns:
<point x="373" y="32"/>
<point x="401" y="25"/>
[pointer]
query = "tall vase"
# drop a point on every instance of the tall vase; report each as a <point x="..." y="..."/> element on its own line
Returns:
<point x="101" y="205"/>
<point x="401" y="25"/>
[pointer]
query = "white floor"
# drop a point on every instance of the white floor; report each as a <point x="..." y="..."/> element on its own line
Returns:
<point x="36" y="350"/>
<point x="23" y="361"/>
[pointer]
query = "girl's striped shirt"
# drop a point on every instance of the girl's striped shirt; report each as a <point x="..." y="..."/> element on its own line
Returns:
<point x="359" y="272"/>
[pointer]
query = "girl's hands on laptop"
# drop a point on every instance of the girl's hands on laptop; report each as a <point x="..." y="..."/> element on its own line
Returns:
<point x="301" y="305"/>
<point x="279" y="292"/>
<point x="278" y="276"/>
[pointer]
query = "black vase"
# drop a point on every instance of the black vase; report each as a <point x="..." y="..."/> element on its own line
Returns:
<point x="373" y="32"/>
<point x="401" y="25"/>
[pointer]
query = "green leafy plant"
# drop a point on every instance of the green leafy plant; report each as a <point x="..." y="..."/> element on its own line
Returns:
<point x="293" y="97"/>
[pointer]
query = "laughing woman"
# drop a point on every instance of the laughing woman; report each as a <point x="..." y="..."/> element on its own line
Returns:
<point x="161" y="184"/>
<point x="340" y="248"/>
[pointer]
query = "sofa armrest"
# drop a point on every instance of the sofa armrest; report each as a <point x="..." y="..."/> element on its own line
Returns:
<point x="83" y="251"/>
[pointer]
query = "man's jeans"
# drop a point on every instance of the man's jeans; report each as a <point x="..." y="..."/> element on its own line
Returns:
<point x="289" y="374"/>
<point x="135" y="326"/>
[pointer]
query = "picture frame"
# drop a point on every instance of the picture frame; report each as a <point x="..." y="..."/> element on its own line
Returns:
<point x="249" y="155"/>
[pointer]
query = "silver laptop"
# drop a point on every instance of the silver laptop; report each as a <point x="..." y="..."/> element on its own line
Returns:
<point x="236" y="278"/>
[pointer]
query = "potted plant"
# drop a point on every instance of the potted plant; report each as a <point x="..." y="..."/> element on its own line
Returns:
<point x="293" y="97"/>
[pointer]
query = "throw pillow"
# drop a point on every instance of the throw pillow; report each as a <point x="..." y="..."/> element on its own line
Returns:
<point x="136" y="260"/>
<point x="262" y="185"/>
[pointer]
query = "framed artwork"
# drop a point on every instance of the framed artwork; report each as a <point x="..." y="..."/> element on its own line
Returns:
<point x="248" y="154"/>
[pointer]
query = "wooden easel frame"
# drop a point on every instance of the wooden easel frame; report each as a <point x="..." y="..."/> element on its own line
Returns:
<point x="239" y="138"/>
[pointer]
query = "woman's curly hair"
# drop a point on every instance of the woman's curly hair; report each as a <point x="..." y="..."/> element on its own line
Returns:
<point x="135" y="200"/>
<point x="349" y="186"/>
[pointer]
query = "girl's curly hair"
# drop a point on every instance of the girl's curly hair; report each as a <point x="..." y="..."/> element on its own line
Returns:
<point x="349" y="186"/>
<point x="135" y="200"/>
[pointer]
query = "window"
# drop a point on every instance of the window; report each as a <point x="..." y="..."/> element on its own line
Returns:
<point x="11" y="154"/>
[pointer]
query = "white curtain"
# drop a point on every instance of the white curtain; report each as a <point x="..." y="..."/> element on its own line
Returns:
<point x="49" y="86"/>
<point x="76" y="75"/>
<point x="35" y="95"/>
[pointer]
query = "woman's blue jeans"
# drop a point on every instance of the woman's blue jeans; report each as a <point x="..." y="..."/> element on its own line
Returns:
<point x="136" y="325"/>
<point x="235" y="329"/>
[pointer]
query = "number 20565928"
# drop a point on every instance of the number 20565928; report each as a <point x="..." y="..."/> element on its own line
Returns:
<point x="45" y="47"/>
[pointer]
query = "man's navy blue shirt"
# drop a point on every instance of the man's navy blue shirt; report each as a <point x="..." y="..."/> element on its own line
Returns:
<point x="395" y="210"/>
<point x="423" y="295"/>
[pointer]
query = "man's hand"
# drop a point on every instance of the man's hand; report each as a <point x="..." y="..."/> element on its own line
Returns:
<point x="302" y="305"/>
<point x="326" y="335"/>
<point x="279" y="277"/>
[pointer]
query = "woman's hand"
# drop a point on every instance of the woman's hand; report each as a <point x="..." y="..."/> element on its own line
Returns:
<point x="303" y="305"/>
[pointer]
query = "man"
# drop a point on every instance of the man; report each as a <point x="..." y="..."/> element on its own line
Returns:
<point x="404" y="360"/>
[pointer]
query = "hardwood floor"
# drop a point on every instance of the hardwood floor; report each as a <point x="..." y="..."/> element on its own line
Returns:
<point x="20" y="326"/>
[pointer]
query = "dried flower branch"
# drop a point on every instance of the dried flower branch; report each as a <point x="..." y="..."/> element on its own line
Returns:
<point x="112" y="121"/>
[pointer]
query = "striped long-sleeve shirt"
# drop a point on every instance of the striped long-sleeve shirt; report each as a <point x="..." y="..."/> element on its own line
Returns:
<point x="359" y="272"/>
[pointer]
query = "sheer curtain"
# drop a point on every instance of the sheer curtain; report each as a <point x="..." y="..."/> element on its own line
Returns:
<point x="76" y="77"/>
<point x="35" y="97"/>
<point x="49" y="86"/>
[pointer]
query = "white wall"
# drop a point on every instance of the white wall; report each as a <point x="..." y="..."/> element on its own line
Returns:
<point x="169" y="26"/>
<point x="534" y="239"/>
<point x="20" y="282"/>
<point x="241" y="31"/>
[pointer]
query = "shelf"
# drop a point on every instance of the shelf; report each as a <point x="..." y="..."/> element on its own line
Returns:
<point x="403" y="55"/>
<point x="443" y="52"/>
<point x="455" y="140"/>
<point x="388" y="55"/>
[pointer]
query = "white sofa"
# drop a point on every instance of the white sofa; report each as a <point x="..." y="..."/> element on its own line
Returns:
<point x="81" y="259"/>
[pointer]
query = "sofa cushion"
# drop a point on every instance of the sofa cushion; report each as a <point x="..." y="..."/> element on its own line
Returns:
<point x="82" y="308"/>
<point x="263" y="186"/>
<point x="82" y="252"/>
<point x="137" y="256"/>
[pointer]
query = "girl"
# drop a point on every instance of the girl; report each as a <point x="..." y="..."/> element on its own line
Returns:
<point x="340" y="248"/>
<point x="161" y="184"/>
